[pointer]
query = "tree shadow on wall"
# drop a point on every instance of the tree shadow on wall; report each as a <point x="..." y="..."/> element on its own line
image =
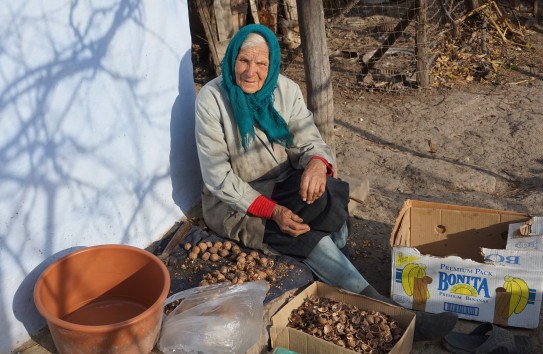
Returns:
<point x="41" y="148"/>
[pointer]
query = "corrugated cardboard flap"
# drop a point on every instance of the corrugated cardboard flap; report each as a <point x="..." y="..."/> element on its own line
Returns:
<point x="397" y="236"/>
<point x="401" y="233"/>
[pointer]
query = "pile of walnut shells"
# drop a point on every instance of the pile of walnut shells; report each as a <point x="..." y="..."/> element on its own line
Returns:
<point x="346" y="325"/>
<point x="241" y="266"/>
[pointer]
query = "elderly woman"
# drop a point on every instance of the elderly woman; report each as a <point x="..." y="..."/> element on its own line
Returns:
<point x="267" y="172"/>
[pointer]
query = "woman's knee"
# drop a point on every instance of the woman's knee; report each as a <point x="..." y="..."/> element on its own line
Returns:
<point x="340" y="237"/>
<point x="322" y="248"/>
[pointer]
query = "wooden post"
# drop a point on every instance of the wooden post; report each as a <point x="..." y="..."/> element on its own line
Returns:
<point x="423" y="77"/>
<point x="318" y="79"/>
<point x="211" y="33"/>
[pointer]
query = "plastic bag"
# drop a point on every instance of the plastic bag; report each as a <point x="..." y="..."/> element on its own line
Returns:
<point x="218" y="318"/>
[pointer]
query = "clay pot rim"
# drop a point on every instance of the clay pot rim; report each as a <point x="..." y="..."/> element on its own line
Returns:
<point x="110" y="327"/>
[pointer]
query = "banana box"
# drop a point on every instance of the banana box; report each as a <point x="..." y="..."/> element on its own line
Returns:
<point x="454" y="258"/>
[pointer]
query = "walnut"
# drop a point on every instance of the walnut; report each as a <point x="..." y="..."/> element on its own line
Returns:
<point x="202" y="246"/>
<point x="223" y="253"/>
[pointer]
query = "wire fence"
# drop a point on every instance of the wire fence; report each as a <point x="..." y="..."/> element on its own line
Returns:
<point x="392" y="45"/>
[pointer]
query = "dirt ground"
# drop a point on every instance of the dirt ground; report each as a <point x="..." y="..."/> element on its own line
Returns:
<point x="486" y="152"/>
<point x="465" y="142"/>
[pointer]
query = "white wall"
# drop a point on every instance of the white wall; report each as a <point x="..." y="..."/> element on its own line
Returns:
<point x="90" y="93"/>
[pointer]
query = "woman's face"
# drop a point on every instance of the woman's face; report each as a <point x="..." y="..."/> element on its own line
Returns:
<point x="251" y="68"/>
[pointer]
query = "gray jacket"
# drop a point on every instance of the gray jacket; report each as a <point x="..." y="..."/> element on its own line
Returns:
<point x="234" y="178"/>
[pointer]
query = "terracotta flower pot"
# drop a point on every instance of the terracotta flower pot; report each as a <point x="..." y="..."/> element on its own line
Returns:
<point x="104" y="299"/>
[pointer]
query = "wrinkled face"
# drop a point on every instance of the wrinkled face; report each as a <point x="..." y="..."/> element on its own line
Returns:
<point x="251" y="68"/>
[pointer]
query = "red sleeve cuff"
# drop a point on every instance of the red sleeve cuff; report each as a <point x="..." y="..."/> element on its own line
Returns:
<point x="262" y="207"/>
<point x="329" y="168"/>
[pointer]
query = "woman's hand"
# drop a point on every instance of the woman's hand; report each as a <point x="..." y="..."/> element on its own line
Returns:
<point x="288" y="222"/>
<point x="313" y="181"/>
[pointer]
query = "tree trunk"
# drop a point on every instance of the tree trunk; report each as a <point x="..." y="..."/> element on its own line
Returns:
<point x="320" y="98"/>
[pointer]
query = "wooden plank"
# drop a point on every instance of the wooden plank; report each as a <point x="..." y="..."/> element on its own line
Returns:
<point x="274" y="6"/>
<point x="211" y="34"/>
<point x="254" y="11"/>
<point x="179" y="235"/>
<point x="291" y="11"/>
<point x="223" y="17"/>
<point x="239" y="13"/>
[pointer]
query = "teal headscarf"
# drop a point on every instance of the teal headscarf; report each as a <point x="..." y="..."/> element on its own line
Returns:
<point x="256" y="108"/>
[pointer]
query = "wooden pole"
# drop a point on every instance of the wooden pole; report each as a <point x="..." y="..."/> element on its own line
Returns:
<point x="421" y="53"/>
<point x="318" y="78"/>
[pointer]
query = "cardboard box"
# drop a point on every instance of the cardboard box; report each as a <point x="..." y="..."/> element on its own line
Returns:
<point x="454" y="258"/>
<point x="300" y="342"/>
<point x="526" y="235"/>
